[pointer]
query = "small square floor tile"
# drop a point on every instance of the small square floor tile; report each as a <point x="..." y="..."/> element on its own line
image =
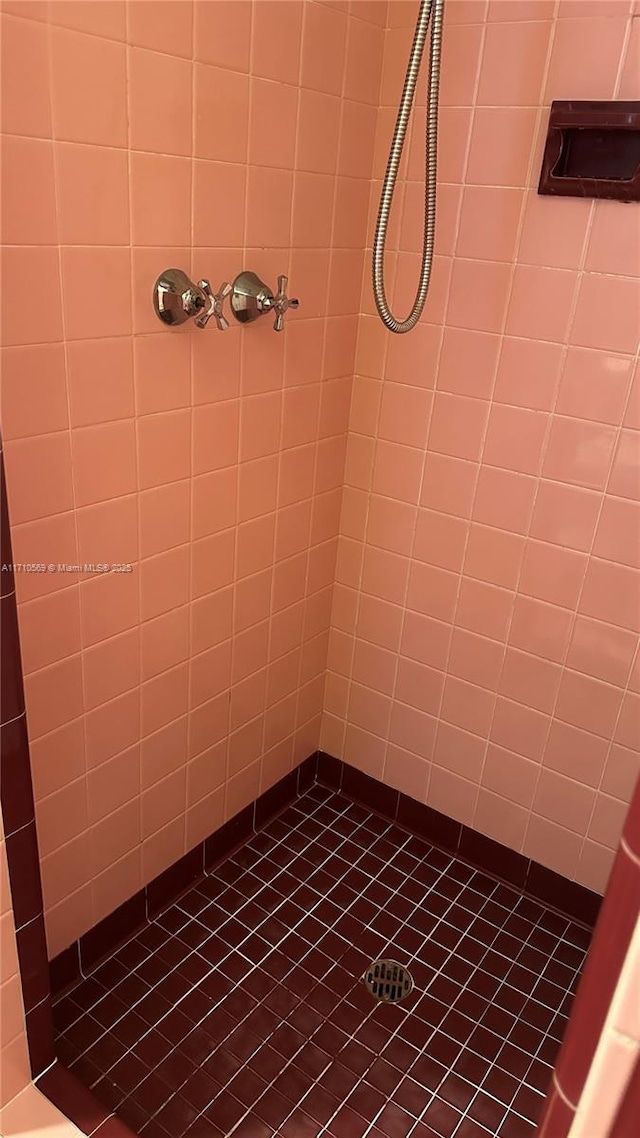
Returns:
<point x="241" y="1007"/>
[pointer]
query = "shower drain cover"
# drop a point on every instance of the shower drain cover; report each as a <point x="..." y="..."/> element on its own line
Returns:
<point x="388" y="981"/>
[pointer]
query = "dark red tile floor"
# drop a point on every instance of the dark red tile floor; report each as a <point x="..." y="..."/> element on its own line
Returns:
<point x="240" y="1010"/>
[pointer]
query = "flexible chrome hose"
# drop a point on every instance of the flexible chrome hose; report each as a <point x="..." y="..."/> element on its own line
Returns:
<point x="427" y="7"/>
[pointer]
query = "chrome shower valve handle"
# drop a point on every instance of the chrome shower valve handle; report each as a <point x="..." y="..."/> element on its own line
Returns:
<point x="215" y="306"/>
<point x="281" y="302"/>
<point x="176" y="299"/>
<point x="251" y="298"/>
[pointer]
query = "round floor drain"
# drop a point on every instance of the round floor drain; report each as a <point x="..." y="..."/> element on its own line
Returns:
<point x="387" y="980"/>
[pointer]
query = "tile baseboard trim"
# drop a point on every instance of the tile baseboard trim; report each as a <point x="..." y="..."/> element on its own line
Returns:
<point x="100" y="941"/>
<point x="567" y="897"/>
<point x="506" y="865"/>
<point x="80" y="1105"/>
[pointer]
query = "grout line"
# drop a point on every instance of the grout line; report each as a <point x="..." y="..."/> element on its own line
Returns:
<point x="359" y="827"/>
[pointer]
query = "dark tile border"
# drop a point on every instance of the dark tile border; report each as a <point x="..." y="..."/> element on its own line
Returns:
<point x="573" y="901"/>
<point x="100" y="941"/>
<point x="79" y="1105"/>
<point x="567" y="897"/>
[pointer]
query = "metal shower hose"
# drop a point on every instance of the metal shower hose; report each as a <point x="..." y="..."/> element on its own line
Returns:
<point x="395" y="154"/>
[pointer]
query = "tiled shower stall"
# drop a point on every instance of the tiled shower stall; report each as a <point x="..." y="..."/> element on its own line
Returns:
<point x="416" y="555"/>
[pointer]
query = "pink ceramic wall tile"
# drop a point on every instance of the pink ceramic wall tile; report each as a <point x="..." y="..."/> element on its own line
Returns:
<point x="541" y="628"/>
<point x="565" y="515"/>
<point x="624" y="480"/>
<point x="552" y="573"/>
<point x="457" y="426"/>
<point x="576" y="753"/>
<point x="418" y="685"/>
<point x="162" y="374"/>
<point x="97" y="67"/>
<point x="621" y="772"/>
<point x="579" y="452"/>
<point x="50" y="629"/>
<point x="440" y="540"/>
<point x="564" y="801"/>
<point x="160" y="102"/>
<point x="459" y="79"/>
<point x="155" y="220"/>
<point x="404" y="414"/>
<point x="83" y="318"/>
<point x="455" y="132"/>
<point x="504" y="499"/>
<point x="29" y="496"/>
<point x="589" y="703"/>
<point x="475" y="658"/>
<point x="489" y="222"/>
<point x="54" y="696"/>
<point x="113" y="784"/>
<point x="100" y="380"/>
<point x="553" y="844"/>
<point x="28" y="192"/>
<point x="479" y="294"/>
<point x="541" y="303"/>
<point x="413" y="730"/>
<point x="391" y="524"/>
<point x="618" y="534"/>
<point x="25" y="46"/>
<point x="109" y="604"/>
<point x="111" y="668"/>
<point x="553" y="232"/>
<point x="20" y="265"/>
<point x="178" y="495"/>
<point x="39" y="373"/>
<point x="519" y="728"/>
<point x="484" y="608"/>
<point x="459" y="751"/>
<point x="510" y="775"/>
<point x="467" y="706"/>
<point x="164" y="517"/>
<point x="397" y="471"/>
<point x="448" y="485"/>
<point x="96" y="477"/>
<point x="530" y="680"/>
<point x="452" y="795"/>
<point x="467" y="362"/>
<point x="92" y="195"/>
<point x="595" y="42"/>
<point x="425" y="638"/>
<point x="607" y="821"/>
<point x="606" y="315"/>
<point x="62" y="817"/>
<point x="500" y="150"/>
<point x="613" y="243"/>
<point x="32" y="543"/>
<point x="626" y="732"/>
<point x="513" y="63"/>
<point x="161" y="26"/>
<point x="58" y="758"/>
<point x="594" y="385"/>
<point x="493" y="556"/>
<point x="504" y="821"/>
<point x="108" y="20"/>
<point x="611" y="593"/>
<point x="406" y="772"/>
<point x="601" y="650"/>
<point x="432" y="591"/>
